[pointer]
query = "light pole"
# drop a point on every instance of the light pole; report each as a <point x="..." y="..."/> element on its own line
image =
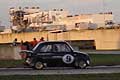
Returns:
<point x="56" y="32"/>
<point x="103" y="5"/>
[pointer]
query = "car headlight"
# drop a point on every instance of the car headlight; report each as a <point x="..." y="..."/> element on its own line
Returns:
<point x="88" y="62"/>
<point x="28" y="60"/>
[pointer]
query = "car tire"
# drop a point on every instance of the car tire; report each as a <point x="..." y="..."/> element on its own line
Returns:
<point x="80" y="64"/>
<point x="38" y="65"/>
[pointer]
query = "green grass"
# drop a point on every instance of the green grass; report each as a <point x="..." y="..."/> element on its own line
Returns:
<point x="11" y="63"/>
<point x="64" y="77"/>
<point x="105" y="59"/>
<point x="96" y="60"/>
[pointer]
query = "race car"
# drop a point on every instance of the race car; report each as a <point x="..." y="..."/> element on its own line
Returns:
<point x="56" y="54"/>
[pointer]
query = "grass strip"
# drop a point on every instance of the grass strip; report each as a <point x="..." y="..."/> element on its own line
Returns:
<point x="64" y="77"/>
<point x="11" y="63"/>
<point x="105" y="59"/>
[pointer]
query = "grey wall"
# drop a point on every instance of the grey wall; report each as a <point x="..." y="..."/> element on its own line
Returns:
<point x="9" y="52"/>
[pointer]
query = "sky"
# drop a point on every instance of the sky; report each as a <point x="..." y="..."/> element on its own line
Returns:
<point x="74" y="7"/>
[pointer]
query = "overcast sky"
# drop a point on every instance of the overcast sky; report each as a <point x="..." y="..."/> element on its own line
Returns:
<point x="74" y="6"/>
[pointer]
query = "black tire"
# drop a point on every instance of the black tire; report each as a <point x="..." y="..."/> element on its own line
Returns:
<point x="80" y="64"/>
<point x="38" y="65"/>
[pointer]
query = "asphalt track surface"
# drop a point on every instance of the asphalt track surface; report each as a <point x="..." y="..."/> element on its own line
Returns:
<point x="60" y="71"/>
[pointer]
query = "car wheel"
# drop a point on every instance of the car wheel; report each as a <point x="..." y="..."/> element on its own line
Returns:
<point x="38" y="65"/>
<point x="80" y="64"/>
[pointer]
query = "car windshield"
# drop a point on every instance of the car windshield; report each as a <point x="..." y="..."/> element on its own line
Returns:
<point x="36" y="46"/>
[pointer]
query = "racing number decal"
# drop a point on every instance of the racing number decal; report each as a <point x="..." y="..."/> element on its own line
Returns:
<point x="68" y="59"/>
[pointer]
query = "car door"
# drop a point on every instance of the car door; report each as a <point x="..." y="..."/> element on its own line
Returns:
<point x="45" y="52"/>
<point x="63" y="54"/>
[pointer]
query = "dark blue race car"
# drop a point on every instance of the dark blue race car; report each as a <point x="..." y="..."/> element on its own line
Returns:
<point x="56" y="54"/>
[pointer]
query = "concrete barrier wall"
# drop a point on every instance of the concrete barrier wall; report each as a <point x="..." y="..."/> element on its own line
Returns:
<point x="9" y="52"/>
<point x="104" y="39"/>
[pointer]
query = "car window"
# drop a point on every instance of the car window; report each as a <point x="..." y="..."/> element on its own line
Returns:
<point x="61" y="48"/>
<point x="45" y="48"/>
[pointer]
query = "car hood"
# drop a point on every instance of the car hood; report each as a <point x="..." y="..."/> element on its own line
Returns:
<point x="80" y="52"/>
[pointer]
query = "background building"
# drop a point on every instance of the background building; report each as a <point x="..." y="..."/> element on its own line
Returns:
<point x="36" y="19"/>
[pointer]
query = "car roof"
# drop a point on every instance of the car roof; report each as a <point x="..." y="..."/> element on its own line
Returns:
<point x="53" y="42"/>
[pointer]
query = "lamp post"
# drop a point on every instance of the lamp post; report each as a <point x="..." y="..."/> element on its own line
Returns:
<point x="61" y="29"/>
<point x="103" y="5"/>
<point x="56" y="32"/>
